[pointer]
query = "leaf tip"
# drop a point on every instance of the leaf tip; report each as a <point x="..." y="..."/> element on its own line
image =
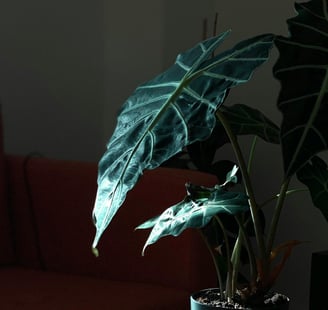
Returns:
<point x="95" y="251"/>
<point x="143" y="250"/>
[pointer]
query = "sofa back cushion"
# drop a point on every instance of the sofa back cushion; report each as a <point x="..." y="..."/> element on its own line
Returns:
<point x="6" y="233"/>
<point x="62" y="195"/>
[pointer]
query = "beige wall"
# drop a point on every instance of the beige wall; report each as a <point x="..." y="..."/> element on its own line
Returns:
<point x="51" y="79"/>
<point x="67" y="67"/>
<point x="133" y="51"/>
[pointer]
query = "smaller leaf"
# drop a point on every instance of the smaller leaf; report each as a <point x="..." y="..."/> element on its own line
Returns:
<point x="315" y="176"/>
<point x="232" y="176"/>
<point x="148" y="224"/>
<point x="195" y="211"/>
<point x="220" y="169"/>
<point x="245" y="120"/>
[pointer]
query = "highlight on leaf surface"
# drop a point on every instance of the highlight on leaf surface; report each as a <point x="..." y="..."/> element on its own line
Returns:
<point x="195" y="211"/>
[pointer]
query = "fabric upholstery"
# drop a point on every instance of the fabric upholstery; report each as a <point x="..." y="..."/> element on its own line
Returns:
<point x="27" y="289"/>
<point x="63" y="194"/>
<point x="21" y="205"/>
<point x="51" y="203"/>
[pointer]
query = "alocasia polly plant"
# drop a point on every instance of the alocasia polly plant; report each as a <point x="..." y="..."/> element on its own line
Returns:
<point x="183" y="105"/>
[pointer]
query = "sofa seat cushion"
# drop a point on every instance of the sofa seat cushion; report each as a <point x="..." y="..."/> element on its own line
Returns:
<point x="34" y="289"/>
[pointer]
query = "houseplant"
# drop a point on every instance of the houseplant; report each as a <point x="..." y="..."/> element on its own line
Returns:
<point x="182" y="105"/>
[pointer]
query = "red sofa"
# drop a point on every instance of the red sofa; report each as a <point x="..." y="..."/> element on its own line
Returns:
<point x="46" y="233"/>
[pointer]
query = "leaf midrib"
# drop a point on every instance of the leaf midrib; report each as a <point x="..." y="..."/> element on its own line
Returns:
<point x="184" y="81"/>
<point x="309" y="123"/>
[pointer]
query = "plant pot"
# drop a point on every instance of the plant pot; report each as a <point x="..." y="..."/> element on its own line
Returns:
<point x="198" y="305"/>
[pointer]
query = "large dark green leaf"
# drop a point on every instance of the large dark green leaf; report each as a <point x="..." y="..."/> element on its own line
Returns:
<point x="245" y="120"/>
<point x="169" y="112"/>
<point x="302" y="70"/>
<point x="315" y="176"/>
<point x="195" y="211"/>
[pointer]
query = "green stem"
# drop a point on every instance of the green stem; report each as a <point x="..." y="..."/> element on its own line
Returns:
<point x="249" y="248"/>
<point x="276" y="215"/>
<point x="217" y="269"/>
<point x="251" y="155"/>
<point x="292" y="191"/>
<point x="229" y="291"/>
<point x="247" y="184"/>
<point x="235" y="259"/>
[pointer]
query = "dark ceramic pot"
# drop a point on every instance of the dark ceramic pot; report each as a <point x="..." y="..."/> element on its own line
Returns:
<point x="196" y="305"/>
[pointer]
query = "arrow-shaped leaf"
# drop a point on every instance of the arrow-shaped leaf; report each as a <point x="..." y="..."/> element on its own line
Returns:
<point x="245" y="120"/>
<point x="302" y="69"/>
<point x="169" y="112"/>
<point x="195" y="211"/>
